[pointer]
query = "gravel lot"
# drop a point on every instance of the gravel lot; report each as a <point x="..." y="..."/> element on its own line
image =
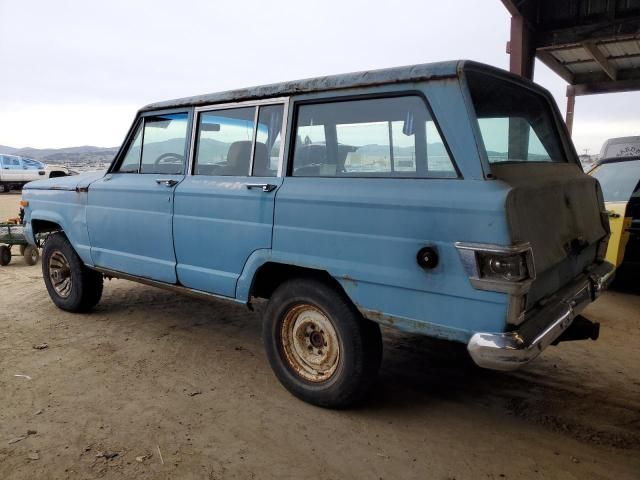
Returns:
<point x="180" y="388"/>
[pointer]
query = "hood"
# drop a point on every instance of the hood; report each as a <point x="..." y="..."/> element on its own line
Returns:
<point x="76" y="182"/>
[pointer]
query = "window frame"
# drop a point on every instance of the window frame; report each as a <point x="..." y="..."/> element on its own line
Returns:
<point x="256" y="104"/>
<point x="367" y="96"/>
<point x="130" y="138"/>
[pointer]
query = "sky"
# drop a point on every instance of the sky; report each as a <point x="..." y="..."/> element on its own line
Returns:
<point x="74" y="73"/>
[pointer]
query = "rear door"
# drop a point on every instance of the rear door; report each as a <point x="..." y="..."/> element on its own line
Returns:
<point x="224" y="208"/>
<point x="130" y="210"/>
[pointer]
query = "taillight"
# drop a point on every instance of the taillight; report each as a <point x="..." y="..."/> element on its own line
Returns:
<point x="507" y="269"/>
<point x="497" y="268"/>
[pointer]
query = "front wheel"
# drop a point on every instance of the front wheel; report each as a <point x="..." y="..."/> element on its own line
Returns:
<point x="71" y="285"/>
<point x="319" y="346"/>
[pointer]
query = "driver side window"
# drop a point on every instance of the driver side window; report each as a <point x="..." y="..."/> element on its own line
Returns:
<point x="163" y="144"/>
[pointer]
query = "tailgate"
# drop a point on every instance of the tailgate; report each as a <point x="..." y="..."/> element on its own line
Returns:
<point x="556" y="208"/>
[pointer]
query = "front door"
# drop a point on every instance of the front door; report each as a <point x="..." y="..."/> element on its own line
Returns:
<point x="129" y="211"/>
<point x="224" y="210"/>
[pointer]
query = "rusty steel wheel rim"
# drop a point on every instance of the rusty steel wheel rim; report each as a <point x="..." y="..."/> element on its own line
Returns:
<point x="60" y="274"/>
<point x="310" y="343"/>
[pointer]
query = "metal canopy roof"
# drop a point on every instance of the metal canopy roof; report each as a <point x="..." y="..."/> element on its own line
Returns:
<point x="592" y="44"/>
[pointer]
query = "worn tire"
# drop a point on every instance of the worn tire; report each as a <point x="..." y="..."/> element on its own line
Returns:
<point x="85" y="286"/>
<point x="5" y="255"/>
<point x="359" y="343"/>
<point x="31" y="255"/>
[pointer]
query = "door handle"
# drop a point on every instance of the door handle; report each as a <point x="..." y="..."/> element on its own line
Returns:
<point x="265" y="187"/>
<point x="167" y="182"/>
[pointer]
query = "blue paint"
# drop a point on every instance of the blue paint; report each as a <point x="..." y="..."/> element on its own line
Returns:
<point x="212" y="233"/>
<point x="218" y="224"/>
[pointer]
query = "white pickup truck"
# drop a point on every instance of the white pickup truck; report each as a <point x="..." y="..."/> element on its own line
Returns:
<point x="15" y="171"/>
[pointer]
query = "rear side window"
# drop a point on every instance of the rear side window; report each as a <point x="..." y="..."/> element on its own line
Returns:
<point x="379" y="137"/>
<point x="224" y="142"/>
<point x="227" y="139"/>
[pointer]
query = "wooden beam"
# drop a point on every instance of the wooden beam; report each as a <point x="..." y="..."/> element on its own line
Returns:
<point x="554" y="64"/>
<point x="600" y="31"/>
<point x="601" y="60"/>
<point x="611" y="86"/>
<point x="511" y="7"/>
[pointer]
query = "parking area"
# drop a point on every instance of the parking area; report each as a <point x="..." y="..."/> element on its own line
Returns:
<point x="156" y="385"/>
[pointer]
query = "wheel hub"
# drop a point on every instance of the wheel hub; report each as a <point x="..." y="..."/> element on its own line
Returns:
<point x="60" y="274"/>
<point x="310" y="343"/>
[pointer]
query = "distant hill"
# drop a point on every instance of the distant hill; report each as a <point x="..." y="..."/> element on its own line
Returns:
<point x="75" y="155"/>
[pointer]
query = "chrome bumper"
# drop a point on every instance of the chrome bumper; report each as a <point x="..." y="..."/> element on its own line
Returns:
<point x="510" y="350"/>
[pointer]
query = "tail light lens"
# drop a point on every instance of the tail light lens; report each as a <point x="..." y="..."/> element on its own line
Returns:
<point x="507" y="269"/>
<point x="512" y="268"/>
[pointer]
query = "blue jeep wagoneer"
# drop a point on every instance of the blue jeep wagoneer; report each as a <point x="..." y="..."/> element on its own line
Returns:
<point x="443" y="199"/>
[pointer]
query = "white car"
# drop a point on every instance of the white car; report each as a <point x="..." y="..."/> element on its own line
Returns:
<point x="15" y="171"/>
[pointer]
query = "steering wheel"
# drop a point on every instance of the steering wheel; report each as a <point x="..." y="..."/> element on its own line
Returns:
<point x="165" y="156"/>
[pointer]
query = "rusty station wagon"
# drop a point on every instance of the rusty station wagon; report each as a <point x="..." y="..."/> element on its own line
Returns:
<point x="443" y="199"/>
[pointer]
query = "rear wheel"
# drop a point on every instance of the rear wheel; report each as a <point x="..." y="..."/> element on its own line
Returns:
<point x="318" y="344"/>
<point x="31" y="254"/>
<point x="5" y="255"/>
<point x="71" y="285"/>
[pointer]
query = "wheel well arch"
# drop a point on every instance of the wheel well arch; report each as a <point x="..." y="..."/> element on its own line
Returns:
<point x="57" y="173"/>
<point x="44" y="226"/>
<point x="271" y="275"/>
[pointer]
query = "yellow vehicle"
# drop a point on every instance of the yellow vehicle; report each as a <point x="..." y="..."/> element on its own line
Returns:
<point x="619" y="178"/>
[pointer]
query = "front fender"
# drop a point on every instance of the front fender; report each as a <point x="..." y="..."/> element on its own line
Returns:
<point x="64" y="208"/>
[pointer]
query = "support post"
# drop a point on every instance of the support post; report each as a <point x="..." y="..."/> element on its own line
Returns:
<point x="521" y="49"/>
<point x="571" y="103"/>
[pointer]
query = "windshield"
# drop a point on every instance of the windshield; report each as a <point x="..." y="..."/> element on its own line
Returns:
<point x="516" y="123"/>
<point x="619" y="180"/>
<point x="623" y="149"/>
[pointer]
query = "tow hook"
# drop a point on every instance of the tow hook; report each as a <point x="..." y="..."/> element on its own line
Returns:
<point x="580" y="329"/>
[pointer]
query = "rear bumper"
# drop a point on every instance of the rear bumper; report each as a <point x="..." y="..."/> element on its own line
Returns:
<point x="510" y="350"/>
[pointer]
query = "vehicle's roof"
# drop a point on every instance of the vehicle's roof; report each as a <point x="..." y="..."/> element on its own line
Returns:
<point x="627" y="158"/>
<point x="421" y="72"/>
<point x="613" y="141"/>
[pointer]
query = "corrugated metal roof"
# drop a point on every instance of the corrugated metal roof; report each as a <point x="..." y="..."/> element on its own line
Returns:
<point x="623" y="55"/>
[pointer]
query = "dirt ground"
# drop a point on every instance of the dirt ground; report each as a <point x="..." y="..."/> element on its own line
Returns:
<point x="180" y="388"/>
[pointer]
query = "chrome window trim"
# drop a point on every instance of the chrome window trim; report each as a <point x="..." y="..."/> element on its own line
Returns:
<point x="256" y="113"/>
<point x="284" y="101"/>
